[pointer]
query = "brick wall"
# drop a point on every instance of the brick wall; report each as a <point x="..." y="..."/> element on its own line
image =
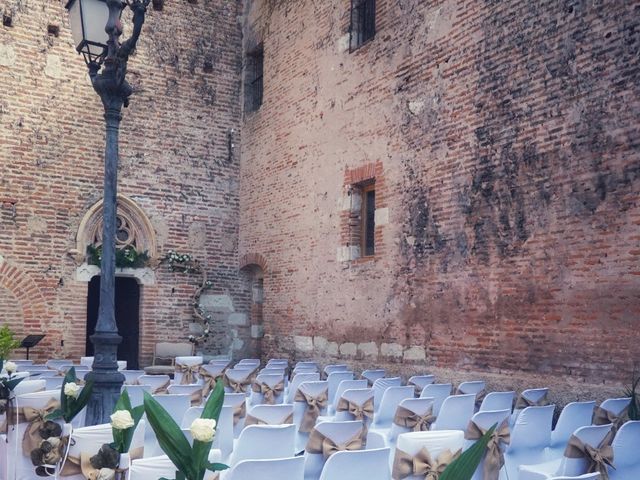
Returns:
<point x="506" y="134"/>
<point x="176" y="164"/>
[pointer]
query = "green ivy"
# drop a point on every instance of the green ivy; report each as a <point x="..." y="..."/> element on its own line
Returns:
<point x="8" y="342"/>
<point x="127" y="257"/>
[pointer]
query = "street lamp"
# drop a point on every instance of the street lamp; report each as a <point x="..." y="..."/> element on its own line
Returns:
<point x="106" y="59"/>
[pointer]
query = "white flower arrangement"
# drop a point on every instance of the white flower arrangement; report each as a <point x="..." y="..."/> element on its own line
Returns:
<point x="72" y="389"/>
<point x="10" y="367"/>
<point x="121" y="420"/>
<point x="203" y="429"/>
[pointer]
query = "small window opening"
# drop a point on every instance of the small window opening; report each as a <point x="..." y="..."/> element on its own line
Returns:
<point x="254" y="79"/>
<point x="367" y="220"/>
<point x="158" y="5"/>
<point x="7" y="21"/>
<point x="363" y="22"/>
<point x="53" y="30"/>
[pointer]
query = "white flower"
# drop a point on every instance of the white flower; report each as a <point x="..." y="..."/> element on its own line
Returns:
<point x="203" y="429"/>
<point x="10" y="367"/>
<point x="71" y="389"/>
<point x="121" y="420"/>
<point x="106" y="474"/>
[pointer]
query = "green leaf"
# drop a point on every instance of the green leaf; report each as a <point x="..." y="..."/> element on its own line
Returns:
<point x="79" y="403"/>
<point x="56" y="414"/>
<point x="170" y="437"/>
<point x="466" y="464"/>
<point x="216" y="467"/>
<point x="180" y="476"/>
<point x="11" y="384"/>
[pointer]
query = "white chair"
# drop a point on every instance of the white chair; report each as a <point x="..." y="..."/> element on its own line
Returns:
<point x="307" y="364"/>
<point x="337" y="432"/>
<point x="475" y="387"/>
<point x="32" y="386"/>
<point x="136" y="393"/>
<point x="86" y="361"/>
<point x="591" y="435"/>
<point x="252" y="362"/>
<point x="273" y="370"/>
<point x="334" y="380"/>
<point x="391" y="398"/>
<point x="485" y="420"/>
<point x="21" y="468"/>
<point x="344" y="386"/>
<point x="224" y="429"/>
<point x="273" y="414"/>
<point x="187" y="361"/>
<point x="530" y="436"/>
<point x="434" y="442"/>
<point x="304" y="370"/>
<point x="32" y="368"/>
<point x="313" y="389"/>
<point x="22" y="362"/>
<point x="131" y="376"/>
<point x="194" y="391"/>
<point x="58" y="364"/>
<point x="176" y="406"/>
<point x="419" y="406"/>
<point x="238" y="380"/>
<point x="267" y="380"/>
<point x="238" y="403"/>
<point x="338" y="367"/>
<point x="264" y="442"/>
<point x="421" y="381"/>
<point x="161" y="466"/>
<point x="52" y="383"/>
<point x="455" y="413"/>
<point x="359" y="397"/>
<point x="291" y="468"/>
<point x="381" y="385"/>
<point x="497" y="401"/>
<point x="625" y="452"/>
<point x="40" y="375"/>
<point x="372" y="375"/>
<point x="156" y="382"/>
<point x="531" y="396"/>
<point x="437" y="391"/>
<point x="297" y="380"/>
<point x="365" y="464"/>
<point x="614" y="408"/>
<point x="122" y="365"/>
<point x="573" y="416"/>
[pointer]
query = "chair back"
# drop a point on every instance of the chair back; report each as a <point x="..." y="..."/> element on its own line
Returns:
<point x="334" y="380"/>
<point x="372" y="375"/>
<point x="52" y="383"/>
<point x="421" y="381"/>
<point x="273" y="414"/>
<point x="33" y="368"/>
<point x="498" y="401"/>
<point x="186" y="390"/>
<point x="573" y="416"/>
<point x="381" y="385"/>
<point x="264" y="442"/>
<point x="161" y="466"/>
<point x="391" y="398"/>
<point x="338" y="432"/>
<point x="239" y="375"/>
<point x="188" y="361"/>
<point x="156" y="382"/>
<point x="616" y="405"/>
<point x="291" y="468"/>
<point x="235" y="401"/>
<point x="356" y="396"/>
<point x="131" y="376"/>
<point x="370" y="464"/>
<point x="297" y="380"/>
<point x="190" y="415"/>
<point x="532" y="430"/>
<point x="625" y="446"/>
<point x="304" y="370"/>
<point x="168" y="351"/>
<point x="475" y="387"/>
<point x="336" y="367"/>
<point x="591" y="435"/>
<point x="273" y="371"/>
<point x="58" y="364"/>
<point x="307" y="364"/>
<point x="86" y="361"/>
<point x="416" y="405"/>
<point x="223" y="363"/>
<point x="32" y="386"/>
<point x="435" y="443"/>
<point x="249" y="362"/>
<point x="175" y="405"/>
<point x="136" y="393"/>
<point x="87" y="440"/>
<point x="347" y="385"/>
<point x="489" y="418"/>
<point x="271" y="380"/>
<point x="456" y="412"/>
<point x="437" y="391"/>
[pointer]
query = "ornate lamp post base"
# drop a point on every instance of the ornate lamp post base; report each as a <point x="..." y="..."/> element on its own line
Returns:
<point x="107" y="380"/>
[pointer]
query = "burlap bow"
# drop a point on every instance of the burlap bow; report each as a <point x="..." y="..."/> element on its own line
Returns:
<point x="35" y="418"/>
<point x="479" y="396"/>
<point x="524" y="402"/>
<point x="319" y="443"/>
<point x="417" y="388"/>
<point x="189" y="372"/>
<point x="597" y="458"/>
<point x="238" y="386"/>
<point x="416" y="422"/>
<point x="164" y="388"/>
<point x="405" y="465"/>
<point x="82" y="465"/>
<point x="239" y="411"/>
<point x="251" y="420"/>
<point x="312" y="409"/>
<point x="196" y="397"/>
<point x="269" y="392"/>
<point x="209" y="380"/>
<point x="494" y="458"/>
<point x="359" y="412"/>
<point x="602" y="416"/>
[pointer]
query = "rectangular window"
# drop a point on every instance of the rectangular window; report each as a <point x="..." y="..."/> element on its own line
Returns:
<point x="254" y="73"/>
<point x="363" y="22"/>
<point x="367" y="221"/>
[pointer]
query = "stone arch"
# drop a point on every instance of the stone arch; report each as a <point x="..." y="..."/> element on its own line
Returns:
<point x="133" y="219"/>
<point x="253" y="266"/>
<point x="26" y="292"/>
<point x="253" y="259"/>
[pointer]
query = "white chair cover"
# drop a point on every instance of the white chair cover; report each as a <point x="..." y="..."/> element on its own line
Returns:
<point x="334" y="379"/>
<point x="381" y="385"/>
<point x="372" y="375"/>
<point x="437" y="391"/>
<point x="297" y="380"/>
<point x="573" y="416"/>
<point x="272" y="380"/>
<point x="291" y="468"/>
<point x="236" y="401"/>
<point x="391" y="398"/>
<point x="625" y="452"/>
<point x="189" y="361"/>
<point x="342" y="387"/>
<point x="435" y="443"/>
<point x="498" y="401"/>
<point x="273" y="414"/>
<point x="364" y="464"/>
<point x="485" y="420"/>
<point x="156" y="382"/>
<point x="131" y="376"/>
<point x="136" y="393"/>
<point x="338" y="367"/>
<point x="264" y="442"/>
<point x="421" y="381"/>
<point x="338" y="432"/>
<point x="455" y="413"/>
<point x="153" y="468"/>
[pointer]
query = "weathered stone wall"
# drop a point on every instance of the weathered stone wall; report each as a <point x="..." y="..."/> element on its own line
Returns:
<point x="177" y="164"/>
<point x="503" y="141"/>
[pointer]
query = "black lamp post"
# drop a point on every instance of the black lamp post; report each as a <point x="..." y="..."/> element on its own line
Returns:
<point x="96" y="28"/>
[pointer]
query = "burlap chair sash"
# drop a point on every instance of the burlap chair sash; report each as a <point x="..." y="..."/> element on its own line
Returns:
<point x="238" y="386"/>
<point x="602" y="416"/>
<point x="598" y="458"/>
<point x="494" y="458"/>
<point x="312" y="409"/>
<point x="82" y="465"/>
<point x="359" y="412"/>
<point x="416" y="388"/>
<point x="35" y="418"/>
<point x="164" y="388"/>
<point x="479" y="396"/>
<point x="189" y="372"/>
<point x="415" y="422"/>
<point x="209" y="380"/>
<point x="239" y="411"/>
<point x="524" y="402"/>
<point x="269" y="392"/>
<point x="319" y="443"/>
<point x="405" y="465"/>
<point x="196" y="397"/>
<point x="251" y="420"/>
